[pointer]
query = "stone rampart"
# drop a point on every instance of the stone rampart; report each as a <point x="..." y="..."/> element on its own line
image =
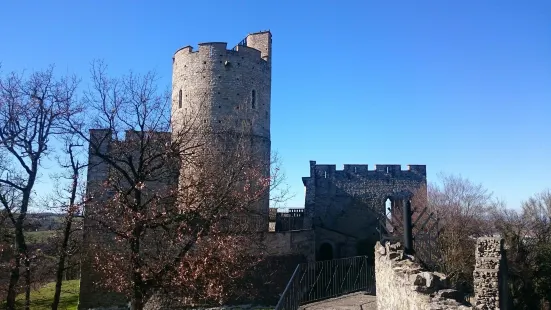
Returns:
<point x="404" y="284"/>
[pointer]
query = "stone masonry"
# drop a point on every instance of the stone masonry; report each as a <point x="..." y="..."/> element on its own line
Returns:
<point x="403" y="284"/>
<point x="228" y="92"/>
<point x="342" y="206"/>
<point x="487" y="275"/>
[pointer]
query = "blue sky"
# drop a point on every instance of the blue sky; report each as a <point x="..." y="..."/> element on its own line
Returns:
<point x="461" y="86"/>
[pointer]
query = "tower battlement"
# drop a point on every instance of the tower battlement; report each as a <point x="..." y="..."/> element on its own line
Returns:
<point x="219" y="49"/>
<point x="254" y="47"/>
<point x="362" y="171"/>
<point x="227" y="90"/>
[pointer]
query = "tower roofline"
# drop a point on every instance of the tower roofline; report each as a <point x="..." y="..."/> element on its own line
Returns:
<point x="260" y="32"/>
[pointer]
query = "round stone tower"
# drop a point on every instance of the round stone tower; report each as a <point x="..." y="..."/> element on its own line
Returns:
<point x="227" y="91"/>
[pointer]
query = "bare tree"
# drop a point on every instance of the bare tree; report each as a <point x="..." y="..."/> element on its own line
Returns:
<point x="31" y="113"/>
<point x="168" y="211"/>
<point x="68" y="200"/>
<point x="463" y="209"/>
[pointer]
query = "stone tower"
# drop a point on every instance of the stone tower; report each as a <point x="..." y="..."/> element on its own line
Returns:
<point x="227" y="91"/>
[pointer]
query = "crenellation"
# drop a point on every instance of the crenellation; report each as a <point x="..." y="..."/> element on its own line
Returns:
<point x="324" y="171"/>
<point x="418" y="169"/>
<point x="356" y="169"/>
<point x="185" y="49"/>
<point x="215" y="50"/>
<point x="249" y="52"/>
<point x="389" y="169"/>
<point x="362" y="171"/>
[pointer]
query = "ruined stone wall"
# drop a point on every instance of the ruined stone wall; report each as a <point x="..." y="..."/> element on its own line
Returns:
<point x="489" y="275"/>
<point x="403" y="284"/>
<point x="342" y="206"/>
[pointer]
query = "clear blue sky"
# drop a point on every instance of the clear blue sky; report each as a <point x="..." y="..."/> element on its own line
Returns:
<point x="461" y="86"/>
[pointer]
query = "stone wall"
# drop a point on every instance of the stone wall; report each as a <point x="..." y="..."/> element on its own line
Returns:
<point x="489" y="276"/>
<point x="403" y="284"/>
<point x="294" y="242"/>
<point x="343" y="206"/>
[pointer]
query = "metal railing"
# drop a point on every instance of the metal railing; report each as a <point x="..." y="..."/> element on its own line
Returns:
<point x="292" y="220"/>
<point x="326" y="279"/>
<point x="242" y="43"/>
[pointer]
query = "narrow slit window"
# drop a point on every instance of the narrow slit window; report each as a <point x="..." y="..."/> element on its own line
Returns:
<point x="253" y="99"/>
<point x="180" y="99"/>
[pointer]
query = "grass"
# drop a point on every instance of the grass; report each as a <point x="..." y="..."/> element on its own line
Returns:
<point x="38" y="237"/>
<point x="42" y="298"/>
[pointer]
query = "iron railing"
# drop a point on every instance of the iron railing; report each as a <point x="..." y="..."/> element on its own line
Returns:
<point x="292" y="220"/>
<point x="326" y="279"/>
<point x="242" y="43"/>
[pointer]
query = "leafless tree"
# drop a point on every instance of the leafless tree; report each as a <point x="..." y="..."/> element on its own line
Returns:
<point x="527" y="234"/>
<point x="463" y="209"/>
<point x="32" y="109"/>
<point x="168" y="209"/>
<point x="68" y="200"/>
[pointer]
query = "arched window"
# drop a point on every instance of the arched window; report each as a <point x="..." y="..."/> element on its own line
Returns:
<point x="389" y="215"/>
<point x="180" y="99"/>
<point x="253" y="99"/>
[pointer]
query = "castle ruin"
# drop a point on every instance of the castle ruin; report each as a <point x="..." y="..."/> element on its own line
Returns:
<point x="229" y="90"/>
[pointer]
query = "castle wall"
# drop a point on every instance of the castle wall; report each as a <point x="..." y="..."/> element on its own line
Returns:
<point x="95" y="236"/>
<point x="91" y="295"/>
<point x="294" y="242"/>
<point x="342" y="206"/>
<point x="403" y="284"/>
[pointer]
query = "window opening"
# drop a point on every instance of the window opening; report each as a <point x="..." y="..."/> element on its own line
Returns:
<point x="253" y="99"/>
<point x="388" y="212"/>
<point x="180" y="99"/>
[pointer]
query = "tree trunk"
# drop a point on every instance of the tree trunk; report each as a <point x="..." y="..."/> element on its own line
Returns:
<point x="138" y="284"/>
<point x="61" y="270"/>
<point x="137" y="293"/>
<point x="21" y="248"/>
<point x="27" y="283"/>
<point x="14" y="278"/>
<point x="61" y="263"/>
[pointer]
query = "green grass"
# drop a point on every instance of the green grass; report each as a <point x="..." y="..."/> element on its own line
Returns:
<point x="37" y="237"/>
<point x="42" y="298"/>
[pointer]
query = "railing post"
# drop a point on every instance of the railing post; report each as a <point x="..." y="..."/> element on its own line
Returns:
<point x="408" y="229"/>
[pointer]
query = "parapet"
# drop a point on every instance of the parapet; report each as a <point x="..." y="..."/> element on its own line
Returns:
<point x="354" y="170"/>
<point x="259" y="48"/>
<point x="132" y="135"/>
